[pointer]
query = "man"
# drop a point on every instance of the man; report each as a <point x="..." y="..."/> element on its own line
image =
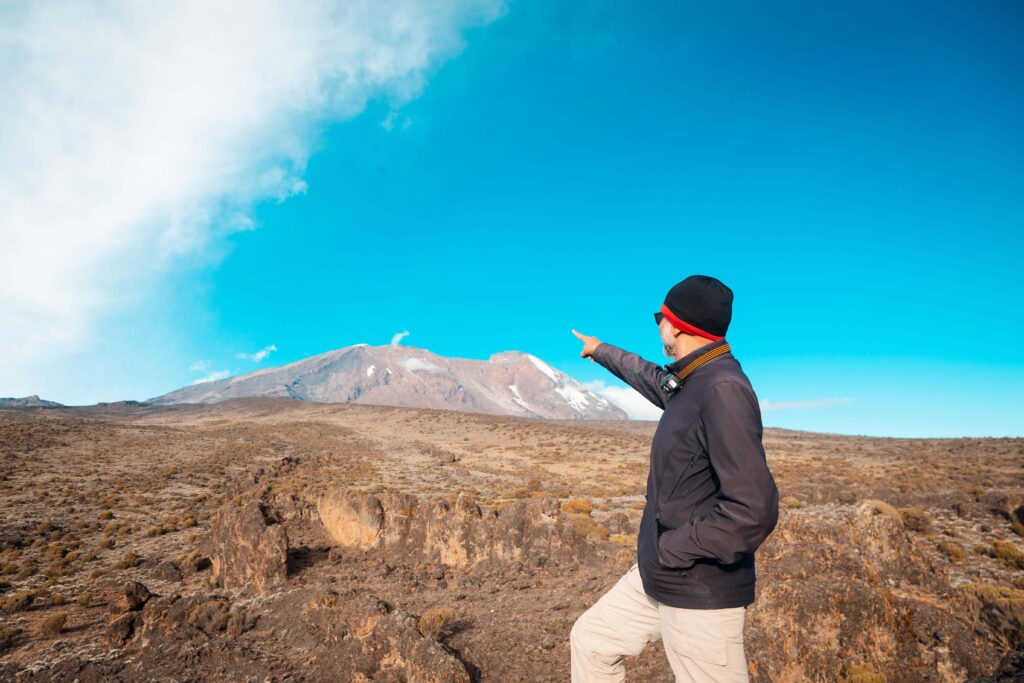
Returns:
<point x="711" y="501"/>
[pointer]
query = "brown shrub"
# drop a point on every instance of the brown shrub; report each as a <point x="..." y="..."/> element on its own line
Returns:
<point x="954" y="552"/>
<point x="1008" y="554"/>
<point x="585" y="526"/>
<point x="8" y="637"/>
<point x="129" y="560"/>
<point x="862" y="673"/>
<point x="437" y="623"/>
<point x="880" y="507"/>
<point x="916" y="518"/>
<point x="577" y="505"/>
<point x="210" y="615"/>
<point x="18" y="602"/>
<point x="53" y="624"/>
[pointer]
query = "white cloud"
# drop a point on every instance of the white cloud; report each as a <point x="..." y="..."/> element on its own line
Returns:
<point x="200" y="366"/>
<point x="639" y="408"/>
<point x="213" y="377"/>
<point x="137" y="135"/>
<point x="395" y="118"/>
<point x="767" y="406"/>
<point x="399" y="336"/>
<point x="259" y="355"/>
<point x="415" y="364"/>
<point x="636" y="406"/>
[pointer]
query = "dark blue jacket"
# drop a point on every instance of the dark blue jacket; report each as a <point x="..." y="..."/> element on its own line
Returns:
<point x="711" y="499"/>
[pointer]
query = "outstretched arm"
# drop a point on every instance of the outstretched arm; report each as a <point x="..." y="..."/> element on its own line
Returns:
<point x="637" y="372"/>
<point x="746" y="508"/>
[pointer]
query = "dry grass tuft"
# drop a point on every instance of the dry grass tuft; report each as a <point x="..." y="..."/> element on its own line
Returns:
<point x="437" y="623"/>
<point x="880" y="507"/>
<point x="863" y="673"/>
<point x="577" y="506"/>
<point x="53" y="624"/>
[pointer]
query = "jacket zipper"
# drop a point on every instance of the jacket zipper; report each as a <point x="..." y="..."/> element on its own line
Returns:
<point x="657" y="516"/>
<point x="657" y="502"/>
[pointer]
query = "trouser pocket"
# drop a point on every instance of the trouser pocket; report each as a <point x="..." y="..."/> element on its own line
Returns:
<point x="712" y="636"/>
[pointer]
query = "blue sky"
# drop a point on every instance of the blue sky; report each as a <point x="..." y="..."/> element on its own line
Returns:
<point x="853" y="172"/>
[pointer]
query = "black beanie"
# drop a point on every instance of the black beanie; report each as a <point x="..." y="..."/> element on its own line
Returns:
<point x="699" y="305"/>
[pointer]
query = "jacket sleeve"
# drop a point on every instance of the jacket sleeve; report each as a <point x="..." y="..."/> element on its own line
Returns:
<point x="637" y="372"/>
<point x="746" y="508"/>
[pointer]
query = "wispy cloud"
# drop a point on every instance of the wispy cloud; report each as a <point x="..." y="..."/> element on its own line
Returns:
<point x="636" y="406"/>
<point x="399" y="336"/>
<point x="200" y="366"/>
<point x="394" y="119"/>
<point x="258" y="356"/>
<point x="213" y="377"/>
<point x="137" y="135"/>
<point x="811" y="404"/>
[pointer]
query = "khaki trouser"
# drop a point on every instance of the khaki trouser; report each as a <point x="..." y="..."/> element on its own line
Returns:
<point x="703" y="645"/>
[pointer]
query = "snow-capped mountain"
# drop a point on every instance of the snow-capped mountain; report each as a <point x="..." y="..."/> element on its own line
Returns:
<point x="507" y="383"/>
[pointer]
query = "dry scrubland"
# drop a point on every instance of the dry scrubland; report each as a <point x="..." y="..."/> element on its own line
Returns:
<point x="264" y="539"/>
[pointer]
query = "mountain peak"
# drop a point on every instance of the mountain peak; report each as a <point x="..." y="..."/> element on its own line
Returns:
<point x="507" y="383"/>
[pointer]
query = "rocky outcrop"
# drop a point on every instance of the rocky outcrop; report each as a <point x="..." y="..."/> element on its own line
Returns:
<point x="350" y="636"/>
<point x="134" y="596"/>
<point x="1009" y="670"/>
<point x="249" y="549"/>
<point x="453" y="532"/>
<point x="124" y="626"/>
<point x="32" y="401"/>
<point x="390" y="644"/>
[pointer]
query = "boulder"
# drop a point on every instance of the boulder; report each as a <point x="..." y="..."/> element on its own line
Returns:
<point x="249" y="550"/>
<point x="134" y="596"/>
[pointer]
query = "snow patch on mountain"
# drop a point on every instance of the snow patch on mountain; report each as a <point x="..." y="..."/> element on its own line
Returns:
<point x="518" y="398"/>
<point x="576" y="398"/>
<point x="544" y="367"/>
<point x="416" y="364"/>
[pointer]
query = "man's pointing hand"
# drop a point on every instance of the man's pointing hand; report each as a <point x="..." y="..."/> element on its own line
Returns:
<point x="589" y="344"/>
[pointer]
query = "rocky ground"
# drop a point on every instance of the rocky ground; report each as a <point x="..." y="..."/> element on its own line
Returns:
<point x="267" y="539"/>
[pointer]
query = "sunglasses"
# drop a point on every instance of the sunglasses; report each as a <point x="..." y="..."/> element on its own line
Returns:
<point x="658" y="317"/>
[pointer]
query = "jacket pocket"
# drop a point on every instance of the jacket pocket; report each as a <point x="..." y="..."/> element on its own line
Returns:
<point x="665" y="496"/>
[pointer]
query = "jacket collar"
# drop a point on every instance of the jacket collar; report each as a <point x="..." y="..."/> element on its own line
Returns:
<point x="677" y="365"/>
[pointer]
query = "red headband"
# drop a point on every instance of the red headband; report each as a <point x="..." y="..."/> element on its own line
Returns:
<point x="687" y="327"/>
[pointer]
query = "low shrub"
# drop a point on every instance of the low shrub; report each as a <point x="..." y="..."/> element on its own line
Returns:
<point x="437" y="623"/>
<point x="577" y="505"/>
<point x="53" y="624"/>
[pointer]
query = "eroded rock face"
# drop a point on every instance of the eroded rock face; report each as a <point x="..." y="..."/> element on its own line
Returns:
<point x="351" y="636"/>
<point x="388" y="639"/>
<point x="249" y="551"/>
<point x="455" y="533"/>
